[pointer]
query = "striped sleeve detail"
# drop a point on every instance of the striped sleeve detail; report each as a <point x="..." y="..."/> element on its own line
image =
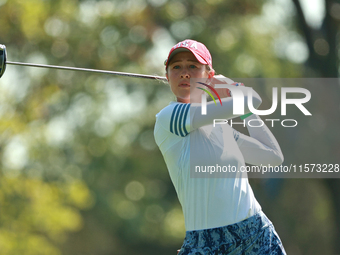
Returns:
<point x="178" y="120"/>
<point x="236" y="134"/>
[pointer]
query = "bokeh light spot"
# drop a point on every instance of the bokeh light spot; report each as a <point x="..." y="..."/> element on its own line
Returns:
<point x="135" y="190"/>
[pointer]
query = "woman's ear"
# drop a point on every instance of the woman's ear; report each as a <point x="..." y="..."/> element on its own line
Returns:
<point x="211" y="73"/>
<point x="210" y="76"/>
<point x="166" y="75"/>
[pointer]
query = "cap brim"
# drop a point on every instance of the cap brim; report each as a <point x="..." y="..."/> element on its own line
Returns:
<point x="178" y="50"/>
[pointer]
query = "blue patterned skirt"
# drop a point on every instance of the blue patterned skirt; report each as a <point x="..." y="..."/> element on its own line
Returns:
<point x="254" y="236"/>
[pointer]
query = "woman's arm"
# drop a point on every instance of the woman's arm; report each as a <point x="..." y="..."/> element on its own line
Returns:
<point x="224" y="111"/>
<point x="261" y="146"/>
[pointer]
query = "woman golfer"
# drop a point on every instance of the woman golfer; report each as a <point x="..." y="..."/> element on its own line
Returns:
<point x="221" y="215"/>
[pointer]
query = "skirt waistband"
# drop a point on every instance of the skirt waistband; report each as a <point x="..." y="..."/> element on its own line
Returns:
<point x="235" y="233"/>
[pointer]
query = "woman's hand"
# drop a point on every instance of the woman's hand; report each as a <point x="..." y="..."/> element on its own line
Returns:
<point x="220" y="79"/>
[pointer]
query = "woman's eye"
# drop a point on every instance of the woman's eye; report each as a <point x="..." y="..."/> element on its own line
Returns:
<point x="176" y="67"/>
<point x="193" y="66"/>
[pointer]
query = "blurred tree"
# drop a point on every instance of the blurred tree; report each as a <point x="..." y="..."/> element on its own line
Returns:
<point x="323" y="61"/>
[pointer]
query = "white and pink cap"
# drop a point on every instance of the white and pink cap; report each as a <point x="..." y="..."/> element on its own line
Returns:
<point x="199" y="50"/>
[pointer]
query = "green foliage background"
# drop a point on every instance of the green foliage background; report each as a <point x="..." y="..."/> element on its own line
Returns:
<point x="80" y="171"/>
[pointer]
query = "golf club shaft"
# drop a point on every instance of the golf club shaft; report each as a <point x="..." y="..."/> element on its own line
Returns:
<point x="144" y="76"/>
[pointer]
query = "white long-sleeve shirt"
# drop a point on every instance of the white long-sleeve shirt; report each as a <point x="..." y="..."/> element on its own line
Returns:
<point x="188" y="139"/>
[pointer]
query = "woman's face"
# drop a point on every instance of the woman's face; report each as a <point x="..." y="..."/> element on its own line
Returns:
<point x="182" y="67"/>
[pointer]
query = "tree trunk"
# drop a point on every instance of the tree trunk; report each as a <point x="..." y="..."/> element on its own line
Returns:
<point x="326" y="66"/>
